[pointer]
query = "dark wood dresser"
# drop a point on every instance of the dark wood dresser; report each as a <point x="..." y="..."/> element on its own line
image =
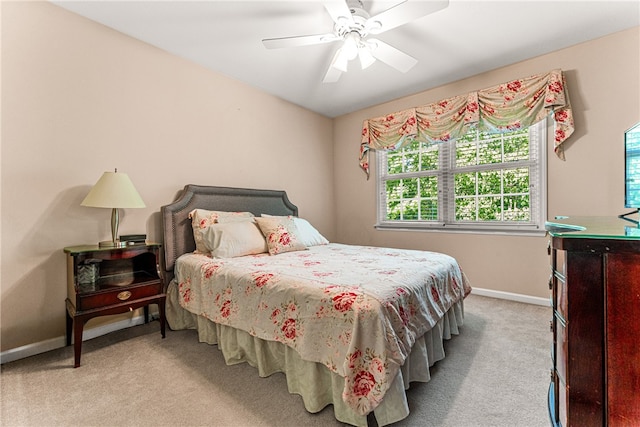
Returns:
<point x="595" y="284"/>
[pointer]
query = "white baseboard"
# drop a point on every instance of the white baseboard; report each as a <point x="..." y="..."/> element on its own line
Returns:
<point x="54" y="343"/>
<point x="511" y="296"/>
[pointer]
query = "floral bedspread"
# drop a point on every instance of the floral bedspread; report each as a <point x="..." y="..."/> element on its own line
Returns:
<point x="358" y="310"/>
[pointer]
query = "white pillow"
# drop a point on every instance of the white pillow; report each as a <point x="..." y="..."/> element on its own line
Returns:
<point x="307" y="233"/>
<point x="309" y="236"/>
<point x="234" y="239"/>
<point x="202" y="218"/>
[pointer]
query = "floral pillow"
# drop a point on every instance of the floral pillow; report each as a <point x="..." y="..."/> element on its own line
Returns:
<point x="308" y="234"/>
<point x="202" y="218"/>
<point x="281" y="233"/>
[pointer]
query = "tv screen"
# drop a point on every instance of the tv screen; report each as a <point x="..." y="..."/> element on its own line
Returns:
<point x="632" y="167"/>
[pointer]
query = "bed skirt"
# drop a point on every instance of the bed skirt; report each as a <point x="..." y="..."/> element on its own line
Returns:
<point x="314" y="382"/>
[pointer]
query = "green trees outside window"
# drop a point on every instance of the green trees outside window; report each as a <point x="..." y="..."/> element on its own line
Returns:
<point x="480" y="178"/>
<point x="413" y="198"/>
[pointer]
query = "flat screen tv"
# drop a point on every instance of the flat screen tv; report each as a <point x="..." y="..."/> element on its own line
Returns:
<point x="632" y="170"/>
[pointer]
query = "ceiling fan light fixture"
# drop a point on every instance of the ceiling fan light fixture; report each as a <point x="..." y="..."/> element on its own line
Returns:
<point x="351" y="45"/>
<point x="340" y="61"/>
<point x="366" y="58"/>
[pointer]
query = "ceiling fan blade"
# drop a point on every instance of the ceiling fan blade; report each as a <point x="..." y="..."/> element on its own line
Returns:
<point x="392" y="56"/>
<point x="403" y="13"/>
<point x="334" y="72"/>
<point x="277" y="43"/>
<point x="339" y="11"/>
<point x="332" y="75"/>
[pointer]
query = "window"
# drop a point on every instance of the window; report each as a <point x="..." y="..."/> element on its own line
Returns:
<point x="481" y="182"/>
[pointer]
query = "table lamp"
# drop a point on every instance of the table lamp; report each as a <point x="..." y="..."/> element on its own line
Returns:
<point x="113" y="190"/>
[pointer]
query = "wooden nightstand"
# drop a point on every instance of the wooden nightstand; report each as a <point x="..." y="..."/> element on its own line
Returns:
<point x="104" y="281"/>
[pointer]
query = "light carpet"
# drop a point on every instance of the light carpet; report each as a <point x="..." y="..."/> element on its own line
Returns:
<point x="495" y="373"/>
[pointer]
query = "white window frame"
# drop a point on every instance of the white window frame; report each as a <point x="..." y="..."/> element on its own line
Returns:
<point x="446" y="215"/>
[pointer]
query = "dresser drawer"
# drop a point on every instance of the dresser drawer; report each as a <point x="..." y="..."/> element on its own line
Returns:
<point x="118" y="295"/>
<point x="561" y="348"/>
<point x="561" y="303"/>
<point x="559" y="263"/>
<point x="562" y="402"/>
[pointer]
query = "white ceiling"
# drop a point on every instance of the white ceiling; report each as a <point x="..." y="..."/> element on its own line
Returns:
<point x="464" y="39"/>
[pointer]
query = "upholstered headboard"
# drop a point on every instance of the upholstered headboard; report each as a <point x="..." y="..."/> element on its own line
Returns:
<point x="178" y="233"/>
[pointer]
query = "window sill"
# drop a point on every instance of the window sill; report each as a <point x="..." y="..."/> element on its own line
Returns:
<point x="533" y="232"/>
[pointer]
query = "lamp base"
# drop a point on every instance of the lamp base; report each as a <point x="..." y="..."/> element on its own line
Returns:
<point x="112" y="244"/>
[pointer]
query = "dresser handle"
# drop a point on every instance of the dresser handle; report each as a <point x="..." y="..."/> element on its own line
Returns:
<point x="551" y="325"/>
<point x="124" y="295"/>
<point x="551" y="282"/>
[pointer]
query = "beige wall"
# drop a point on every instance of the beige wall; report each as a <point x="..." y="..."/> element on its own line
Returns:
<point x="603" y="77"/>
<point x="79" y="99"/>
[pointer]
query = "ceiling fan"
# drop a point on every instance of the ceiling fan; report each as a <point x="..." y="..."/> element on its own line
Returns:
<point x="353" y="25"/>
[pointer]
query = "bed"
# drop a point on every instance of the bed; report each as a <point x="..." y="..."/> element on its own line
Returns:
<point x="349" y="326"/>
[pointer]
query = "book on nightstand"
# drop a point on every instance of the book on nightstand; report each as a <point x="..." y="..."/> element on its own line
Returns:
<point x="134" y="239"/>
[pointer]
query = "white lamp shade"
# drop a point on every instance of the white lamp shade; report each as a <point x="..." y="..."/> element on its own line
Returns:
<point x="350" y="46"/>
<point x="113" y="190"/>
<point x="340" y="61"/>
<point x="366" y="58"/>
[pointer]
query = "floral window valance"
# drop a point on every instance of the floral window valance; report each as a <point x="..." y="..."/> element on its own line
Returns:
<point x="502" y="108"/>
